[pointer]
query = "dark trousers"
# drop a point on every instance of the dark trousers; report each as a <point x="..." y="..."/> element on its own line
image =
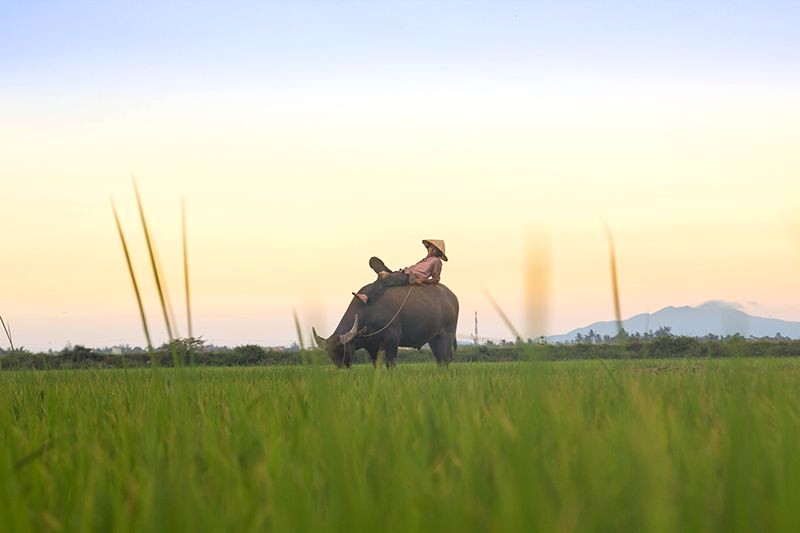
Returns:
<point x="374" y="290"/>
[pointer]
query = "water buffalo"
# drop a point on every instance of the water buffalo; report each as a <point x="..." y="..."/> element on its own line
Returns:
<point x="429" y="315"/>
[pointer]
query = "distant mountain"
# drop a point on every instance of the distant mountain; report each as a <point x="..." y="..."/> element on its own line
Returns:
<point x="716" y="317"/>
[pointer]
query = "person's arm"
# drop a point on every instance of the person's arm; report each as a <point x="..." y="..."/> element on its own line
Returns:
<point x="436" y="274"/>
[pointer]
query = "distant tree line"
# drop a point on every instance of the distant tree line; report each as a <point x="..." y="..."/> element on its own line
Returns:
<point x="661" y="344"/>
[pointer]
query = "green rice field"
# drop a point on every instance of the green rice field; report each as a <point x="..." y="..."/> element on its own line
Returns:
<point x="559" y="446"/>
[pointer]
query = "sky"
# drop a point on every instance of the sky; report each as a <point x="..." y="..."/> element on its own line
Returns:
<point x="307" y="136"/>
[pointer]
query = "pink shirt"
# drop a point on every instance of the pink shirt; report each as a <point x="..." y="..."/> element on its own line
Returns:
<point x="430" y="267"/>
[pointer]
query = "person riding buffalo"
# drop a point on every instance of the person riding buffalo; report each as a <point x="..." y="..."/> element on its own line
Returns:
<point x="425" y="272"/>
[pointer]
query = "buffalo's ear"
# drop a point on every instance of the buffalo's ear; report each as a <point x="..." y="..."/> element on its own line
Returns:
<point x="361" y="331"/>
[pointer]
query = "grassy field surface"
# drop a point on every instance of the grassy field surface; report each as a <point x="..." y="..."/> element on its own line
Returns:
<point x="565" y="446"/>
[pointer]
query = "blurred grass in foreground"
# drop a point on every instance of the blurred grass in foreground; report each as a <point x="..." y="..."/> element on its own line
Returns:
<point x="680" y="446"/>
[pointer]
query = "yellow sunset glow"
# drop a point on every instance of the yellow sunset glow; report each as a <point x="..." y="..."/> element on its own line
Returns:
<point x="290" y="191"/>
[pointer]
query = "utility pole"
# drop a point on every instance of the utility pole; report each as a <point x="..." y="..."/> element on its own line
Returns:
<point x="475" y="337"/>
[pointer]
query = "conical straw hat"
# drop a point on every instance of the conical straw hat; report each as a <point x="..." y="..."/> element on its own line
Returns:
<point x="438" y="244"/>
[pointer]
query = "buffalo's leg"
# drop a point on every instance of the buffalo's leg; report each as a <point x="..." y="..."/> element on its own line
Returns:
<point x="391" y="353"/>
<point x="442" y="348"/>
<point x="373" y="356"/>
<point x="449" y="348"/>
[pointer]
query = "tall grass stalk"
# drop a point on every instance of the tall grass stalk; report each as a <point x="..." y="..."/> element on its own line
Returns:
<point x="514" y="331"/>
<point x="186" y="269"/>
<point x="614" y="282"/>
<point x="153" y="262"/>
<point x="133" y="278"/>
<point x="537" y="284"/>
<point x="8" y="333"/>
<point x="172" y="320"/>
<point x="299" y="330"/>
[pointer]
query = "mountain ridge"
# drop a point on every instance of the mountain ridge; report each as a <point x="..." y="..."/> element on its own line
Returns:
<point x="714" y="317"/>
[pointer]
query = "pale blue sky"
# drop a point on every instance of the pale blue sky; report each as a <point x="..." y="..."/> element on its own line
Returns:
<point x="199" y="44"/>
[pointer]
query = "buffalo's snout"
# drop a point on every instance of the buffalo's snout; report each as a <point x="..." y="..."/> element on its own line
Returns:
<point x="335" y="349"/>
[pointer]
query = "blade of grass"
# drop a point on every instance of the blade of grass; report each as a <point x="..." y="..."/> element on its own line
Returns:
<point x="35" y="454"/>
<point x="615" y="289"/>
<point x="503" y="316"/>
<point x="170" y="310"/>
<point x="299" y="331"/>
<point x="153" y="262"/>
<point x="173" y="322"/>
<point x="8" y="333"/>
<point x="614" y="282"/>
<point x="133" y="277"/>
<point x="186" y="269"/>
<point x="537" y="283"/>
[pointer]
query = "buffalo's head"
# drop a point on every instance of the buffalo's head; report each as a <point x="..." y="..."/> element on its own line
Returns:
<point x="340" y="347"/>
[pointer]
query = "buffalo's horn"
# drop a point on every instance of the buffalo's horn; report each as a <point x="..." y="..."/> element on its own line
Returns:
<point x="322" y="343"/>
<point x="350" y="335"/>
